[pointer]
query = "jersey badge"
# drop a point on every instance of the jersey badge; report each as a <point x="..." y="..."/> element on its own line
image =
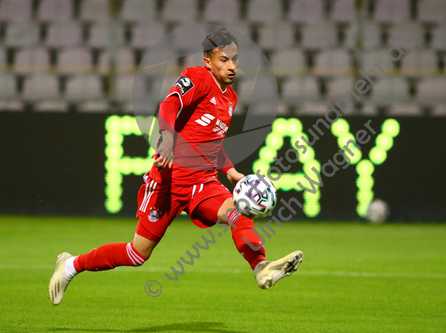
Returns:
<point x="184" y="84"/>
<point x="213" y="101"/>
<point x="154" y="214"/>
<point x="230" y="109"/>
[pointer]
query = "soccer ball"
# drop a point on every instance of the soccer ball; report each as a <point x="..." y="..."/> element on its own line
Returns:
<point x="378" y="211"/>
<point x="253" y="198"/>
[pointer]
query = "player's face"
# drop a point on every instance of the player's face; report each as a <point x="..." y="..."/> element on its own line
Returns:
<point x="223" y="64"/>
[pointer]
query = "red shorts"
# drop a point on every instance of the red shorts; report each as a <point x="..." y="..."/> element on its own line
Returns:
<point x="159" y="204"/>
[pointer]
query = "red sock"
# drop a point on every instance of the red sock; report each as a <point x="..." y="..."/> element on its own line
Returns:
<point x="246" y="240"/>
<point x="109" y="256"/>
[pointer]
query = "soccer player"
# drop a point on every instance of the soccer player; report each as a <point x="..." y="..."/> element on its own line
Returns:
<point x="193" y="119"/>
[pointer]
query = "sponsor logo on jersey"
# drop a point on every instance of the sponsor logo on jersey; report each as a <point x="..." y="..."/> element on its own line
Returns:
<point x="205" y="119"/>
<point x="154" y="214"/>
<point x="184" y="84"/>
<point x="230" y="109"/>
<point x="220" y="127"/>
<point x="213" y="101"/>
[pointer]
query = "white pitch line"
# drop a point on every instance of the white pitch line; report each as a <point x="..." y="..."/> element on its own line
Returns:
<point x="188" y="268"/>
<point x="369" y="274"/>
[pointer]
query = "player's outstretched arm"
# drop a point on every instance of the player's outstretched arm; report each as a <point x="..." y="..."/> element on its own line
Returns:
<point x="234" y="176"/>
<point x="164" y="151"/>
<point x="168" y="111"/>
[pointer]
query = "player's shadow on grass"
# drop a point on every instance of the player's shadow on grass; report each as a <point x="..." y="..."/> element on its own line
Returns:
<point x="190" y="327"/>
<point x="179" y="327"/>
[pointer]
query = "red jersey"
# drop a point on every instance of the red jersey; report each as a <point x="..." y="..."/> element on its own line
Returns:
<point x="201" y="125"/>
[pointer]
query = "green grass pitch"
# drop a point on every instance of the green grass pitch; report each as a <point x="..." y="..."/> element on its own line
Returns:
<point x="354" y="278"/>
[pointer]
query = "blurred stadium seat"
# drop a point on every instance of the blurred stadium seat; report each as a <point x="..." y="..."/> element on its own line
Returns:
<point x="264" y="11"/>
<point x="333" y="62"/>
<point x="11" y="105"/>
<point x="106" y="34"/>
<point x="392" y="11"/>
<point x="338" y="86"/>
<point x="93" y="106"/>
<point x="22" y="34"/>
<point x="7" y="86"/>
<point x="372" y="57"/>
<point x="15" y="10"/>
<point x="413" y="29"/>
<point x="346" y="109"/>
<point x="74" y="60"/>
<point x="343" y="11"/>
<point x="420" y="62"/>
<point x="439" y="38"/>
<point x="298" y="89"/>
<point x="194" y="60"/>
<point x="390" y="90"/>
<point x="166" y="84"/>
<point x="103" y="66"/>
<point x="3" y="61"/>
<point x="186" y="39"/>
<point x="306" y="11"/>
<point x="146" y="89"/>
<point x="180" y="11"/>
<point x="84" y="87"/>
<point x="222" y="11"/>
<point x="241" y="27"/>
<point x="123" y="87"/>
<point x="276" y="36"/>
<point x="432" y="11"/>
<point x="244" y="90"/>
<point x="55" y="11"/>
<point x="40" y="87"/>
<point x="312" y="109"/>
<point x="289" y="62"/>
<point x="431" y="89"/>
<point x="139" y="10"/>
<point x="370" y="37"/>
<point x="319" y="35"/>
<point x="145" y="35"/>
<point x="95" y="11"/>
<point x="33" y="59"/>
<point x="125" y="61"/>
<point x="65" y="34"/>
<point x="369" y="109"/>
<point x="405" y="109"/>
<point x="439" y="110"/>
<point x="282" y="109"/>
<point x="263" y="109"/>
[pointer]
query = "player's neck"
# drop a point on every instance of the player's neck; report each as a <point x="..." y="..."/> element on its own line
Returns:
<point x="222" y="85"/>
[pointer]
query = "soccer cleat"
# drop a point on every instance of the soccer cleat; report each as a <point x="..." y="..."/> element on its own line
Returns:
<point x="268" y="273"/>
<point x="60" y="279"/>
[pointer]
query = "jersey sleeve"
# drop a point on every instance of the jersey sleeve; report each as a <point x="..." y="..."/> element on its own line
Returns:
<point x="168" y="112"/>
<point x="189" y="88"/>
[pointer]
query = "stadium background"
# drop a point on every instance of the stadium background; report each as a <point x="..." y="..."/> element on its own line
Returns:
<point x="66" y="71"/>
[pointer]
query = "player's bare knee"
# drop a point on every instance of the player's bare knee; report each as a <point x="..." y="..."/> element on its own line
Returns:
<point x="225" y="210"/>
<point x="143" y="246"/>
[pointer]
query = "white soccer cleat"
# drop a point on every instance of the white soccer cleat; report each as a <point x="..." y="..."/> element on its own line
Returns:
<point x="268" y="273"/>
<point x="60" y="279"/>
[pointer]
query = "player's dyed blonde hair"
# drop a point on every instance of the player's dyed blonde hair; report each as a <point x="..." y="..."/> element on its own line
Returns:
<point x="218" y="38"/>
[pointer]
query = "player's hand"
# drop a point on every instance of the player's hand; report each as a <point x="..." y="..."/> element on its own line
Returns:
<point x="234" y="176"/>
<point x="165" y="151"/>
